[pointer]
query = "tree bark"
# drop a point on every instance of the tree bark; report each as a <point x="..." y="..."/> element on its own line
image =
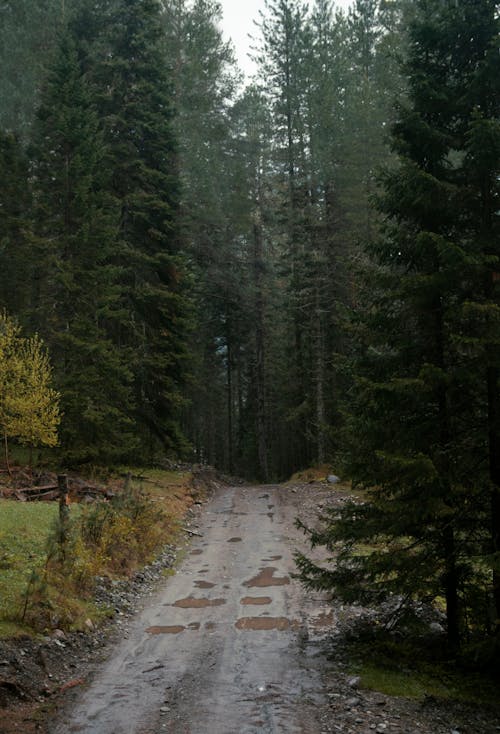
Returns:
<point x="493" y="378"/>
<point x="260" y="371"/>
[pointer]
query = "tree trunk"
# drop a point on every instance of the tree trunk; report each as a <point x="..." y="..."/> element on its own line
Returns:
<point x="229" y="409"/>
<point x="6" y="453"/>
<point x="260" y="379"/>
<point x="451" y="575"/>
<point x="451" y="589"/>
<point x="493" y="379"/>
<point x="320" y="384"/>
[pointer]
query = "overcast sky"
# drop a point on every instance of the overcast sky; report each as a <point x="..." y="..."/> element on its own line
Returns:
<point x="238" y="23"/>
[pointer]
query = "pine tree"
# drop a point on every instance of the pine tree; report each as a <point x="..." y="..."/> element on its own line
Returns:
<point x="14" y="225"/>
<point x="136" y="110"/>
<point x="75" y="294"/>
<point x="28" y="37"/>
<point x="417" y="389"/>
<point x="479" y="95"/>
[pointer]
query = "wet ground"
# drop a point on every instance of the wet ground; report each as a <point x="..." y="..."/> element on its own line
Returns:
<point x="230" y="644"/>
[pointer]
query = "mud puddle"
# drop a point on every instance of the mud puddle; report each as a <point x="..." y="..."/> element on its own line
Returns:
<point x="264" y="624"/>
<point x="192" y="602"/>
<point x="214" y="664"/>
<point x="256" y="600"/>
<point x="267" y="578"/>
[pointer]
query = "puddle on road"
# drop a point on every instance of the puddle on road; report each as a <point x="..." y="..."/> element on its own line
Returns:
<point x="210" y="626"/>
<point x="257" y="624"/>
<point x="272" y="558"/>
<point x="270" y="516"/>
<point x="234" y="540"/>
<point x="191" y="602"/>
<point x="256" y="600"/>
<point x="204" y="584"/>
<point x="173" y="630"/>
<point x="204" y="570"/>
<point x="270" y="507"/>
<point x="194" y="626"/>
<point x="325" y="619"/>
<point x="266" y="578"/>
<point x="196" y="552"/>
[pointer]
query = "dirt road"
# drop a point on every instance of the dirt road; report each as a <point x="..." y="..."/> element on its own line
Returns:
<point x="228" y="645"/>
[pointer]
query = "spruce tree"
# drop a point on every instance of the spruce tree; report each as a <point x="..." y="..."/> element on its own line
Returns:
<point x="136" y="110"/>
<point x="14" y="224"/>
<point x="74" y="294"/>
<point x="417" y="387"/>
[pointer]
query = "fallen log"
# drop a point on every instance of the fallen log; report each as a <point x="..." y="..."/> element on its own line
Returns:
<point x="44" y="496"/>
<point x="38" y="490"/>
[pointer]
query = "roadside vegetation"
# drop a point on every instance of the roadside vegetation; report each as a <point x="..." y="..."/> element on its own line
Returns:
<point x="48" y="572"/>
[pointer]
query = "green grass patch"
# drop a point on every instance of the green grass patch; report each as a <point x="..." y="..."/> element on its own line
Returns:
<point x="416" y="668"/>
<point x="436" y="681"/>
<point x="24" y="530"/>
<point x="44" y="584"/>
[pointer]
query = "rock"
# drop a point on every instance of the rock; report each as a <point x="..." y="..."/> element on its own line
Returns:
<point x="352" y="702"/>
<point x="354" y="681"/>
<point x="58" y="635"/>
<point x="89" y="624"/>
<point x="332" y="479"/>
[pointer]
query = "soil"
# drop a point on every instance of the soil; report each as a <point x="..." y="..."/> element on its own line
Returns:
<point x="181" y="655"/>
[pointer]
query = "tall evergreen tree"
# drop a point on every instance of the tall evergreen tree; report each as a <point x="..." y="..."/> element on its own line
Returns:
<point x="417" y="384"/>
<point x="28" y="37"/>
<point x="14" y="224"/>
<point x="136" y="110"/>
<point x="74" y="289"/>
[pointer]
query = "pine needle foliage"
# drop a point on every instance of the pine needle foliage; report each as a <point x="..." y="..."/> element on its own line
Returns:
<point x="423" y="424"/>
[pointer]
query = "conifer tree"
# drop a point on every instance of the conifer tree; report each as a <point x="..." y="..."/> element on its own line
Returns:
<point x="417" y="389"/>
<point x="75" y="295"/>
<point x="136" y="110"/>
<point x="14" y="224"/>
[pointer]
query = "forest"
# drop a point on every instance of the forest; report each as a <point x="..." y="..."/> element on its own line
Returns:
<point x="303" y="269"/>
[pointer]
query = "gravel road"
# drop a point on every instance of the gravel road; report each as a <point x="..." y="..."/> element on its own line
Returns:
<point x="229" y="643"/>
<point x="232" y="644"/>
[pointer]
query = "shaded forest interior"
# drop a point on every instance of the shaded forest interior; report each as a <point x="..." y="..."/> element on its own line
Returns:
<point x="187" y="247"/>
<point x="300" y="270"/>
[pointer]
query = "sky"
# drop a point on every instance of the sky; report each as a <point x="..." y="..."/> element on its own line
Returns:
<point x="238" y="17"/>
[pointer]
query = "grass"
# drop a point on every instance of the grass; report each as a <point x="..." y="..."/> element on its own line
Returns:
<point x="170" y="489"/>
<point x="436" y="681"/>
<point x="24" y="529"/>
<point x="319" y="474"/>
<point x="414" y="670"/>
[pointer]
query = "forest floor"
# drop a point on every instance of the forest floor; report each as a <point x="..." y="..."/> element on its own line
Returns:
<point x="229" y="643"/>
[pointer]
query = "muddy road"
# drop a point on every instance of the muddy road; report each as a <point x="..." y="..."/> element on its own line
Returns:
<point x="229" y="643"/>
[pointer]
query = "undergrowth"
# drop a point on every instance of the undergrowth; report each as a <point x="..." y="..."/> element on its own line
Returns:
<point x="418" y="668"/>
<point x="49" y="570"/>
